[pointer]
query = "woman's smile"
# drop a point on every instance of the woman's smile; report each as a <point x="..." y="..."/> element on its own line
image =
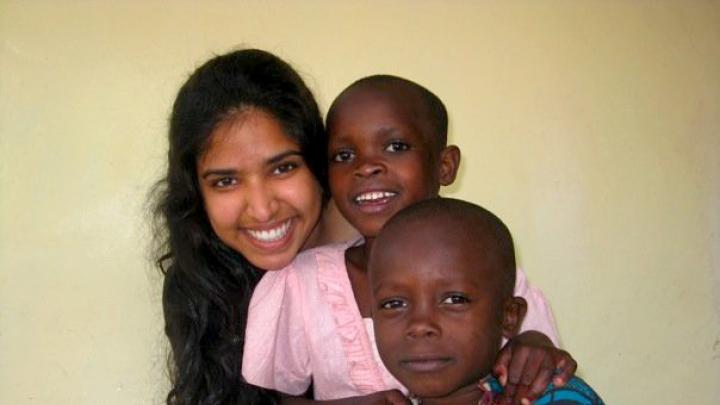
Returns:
<point x="273" y="236"/>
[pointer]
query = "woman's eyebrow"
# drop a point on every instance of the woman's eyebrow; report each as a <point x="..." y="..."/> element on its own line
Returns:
<point x="279" y="157"/>
<point x="217" y="172"/>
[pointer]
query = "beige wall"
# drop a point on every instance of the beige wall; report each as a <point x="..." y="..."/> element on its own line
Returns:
<point x="591" y="127"/>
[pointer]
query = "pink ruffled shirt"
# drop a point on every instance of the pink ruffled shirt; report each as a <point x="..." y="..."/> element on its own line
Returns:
<point x="304" y="326"/>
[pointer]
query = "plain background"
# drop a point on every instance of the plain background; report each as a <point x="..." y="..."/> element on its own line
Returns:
<point x="591" y="127"/>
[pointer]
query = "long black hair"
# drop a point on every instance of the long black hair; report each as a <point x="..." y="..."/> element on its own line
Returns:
<point x="207" y="285"/>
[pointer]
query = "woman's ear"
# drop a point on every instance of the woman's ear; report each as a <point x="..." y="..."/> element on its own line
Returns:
<point x="514" y="311"/>
<point x="449" y="164"/>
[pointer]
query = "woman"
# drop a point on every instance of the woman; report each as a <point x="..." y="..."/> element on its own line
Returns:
<point x="245" y="186"/>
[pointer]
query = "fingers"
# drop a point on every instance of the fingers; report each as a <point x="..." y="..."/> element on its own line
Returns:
<point x="535" y="377"/>
<point x="502" y="364"/>
<point x="525" y="371"/>
<point x="565" y="367"/>
<point x="530" y="372"/>
<point x="508" y="395"/>
<point x="542" y="380"/>
<point x="521" y="395"/>
<point x="535" y="359"/>
<point x="557" y="369"/>
<point x="517" y="364"/>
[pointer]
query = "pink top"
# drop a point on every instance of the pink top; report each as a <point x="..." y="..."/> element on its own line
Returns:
<point x="304" y="326"/>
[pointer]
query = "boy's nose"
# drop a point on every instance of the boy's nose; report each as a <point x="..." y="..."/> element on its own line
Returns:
<point x="369" y="168"/>
<point x="423" y="326"/>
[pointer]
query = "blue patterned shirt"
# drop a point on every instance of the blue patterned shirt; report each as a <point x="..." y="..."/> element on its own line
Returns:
<point x="575" y="392"/>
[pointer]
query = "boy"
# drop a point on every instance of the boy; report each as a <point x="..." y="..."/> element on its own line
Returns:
<point x="441" y="278"/>
<point x="387" y="150"/>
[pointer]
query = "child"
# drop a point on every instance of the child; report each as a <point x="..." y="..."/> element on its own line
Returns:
<point x="441" y="279"/>
<point x="311" y="321"/>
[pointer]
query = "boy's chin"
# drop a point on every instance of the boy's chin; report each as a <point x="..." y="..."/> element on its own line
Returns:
<point x="368" y="230"/>
<point x="430" y="391"/>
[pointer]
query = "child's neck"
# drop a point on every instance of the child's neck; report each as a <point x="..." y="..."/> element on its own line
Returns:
<point x="356" y="263"/>
<point x="470" y="394"/>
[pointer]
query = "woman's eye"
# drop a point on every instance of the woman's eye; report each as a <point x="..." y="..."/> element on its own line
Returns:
<point x="224" y="182"/>
<point x="285" y="168"/>
<point x="343" y="156"/>
<point x="456" y="299"/>
<point x="393" y="304"/>
<point x="397" y="146"/>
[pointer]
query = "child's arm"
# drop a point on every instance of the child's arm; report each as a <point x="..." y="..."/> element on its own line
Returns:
<point x="531" y="360"/>
<point x="528" y="364"/>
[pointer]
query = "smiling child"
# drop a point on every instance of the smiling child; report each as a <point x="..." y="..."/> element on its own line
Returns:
<point x="441" y="279"/>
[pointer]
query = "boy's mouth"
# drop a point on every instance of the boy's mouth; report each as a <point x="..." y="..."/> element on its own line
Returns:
<point x="374" y="197"/>
<point x="426" y="364"/>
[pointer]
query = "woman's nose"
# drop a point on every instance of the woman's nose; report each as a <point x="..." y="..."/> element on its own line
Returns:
<point x="262" y="203"/>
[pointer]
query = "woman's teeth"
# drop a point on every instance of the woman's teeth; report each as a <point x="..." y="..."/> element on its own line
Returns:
<point x="373" y="196"/>
<point x="271" y="235"/>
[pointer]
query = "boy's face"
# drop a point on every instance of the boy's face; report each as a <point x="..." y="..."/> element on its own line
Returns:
<point x="436" y="309"/>
<point x="383" y="156"/>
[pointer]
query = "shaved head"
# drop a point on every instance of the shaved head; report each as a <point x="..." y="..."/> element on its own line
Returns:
<point x="429" y="110"/>
<point x="447" y="223"/>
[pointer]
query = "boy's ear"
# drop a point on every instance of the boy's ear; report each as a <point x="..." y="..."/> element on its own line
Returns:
<point x="449" y="164"/>
<point x="514" y="311"/>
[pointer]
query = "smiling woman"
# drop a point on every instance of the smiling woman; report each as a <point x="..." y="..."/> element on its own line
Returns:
<point x="243" y="193"/>
<point x="260" y="196"/>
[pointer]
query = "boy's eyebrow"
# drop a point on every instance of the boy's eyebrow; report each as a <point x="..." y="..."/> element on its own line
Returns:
<point x="383" y="132"/>
<point x="269" y="162"/>
<point x="386" y="285"/>
<point x="389" y="130"/>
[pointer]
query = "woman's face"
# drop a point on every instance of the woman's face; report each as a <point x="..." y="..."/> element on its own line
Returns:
<point x="259" y="194"/>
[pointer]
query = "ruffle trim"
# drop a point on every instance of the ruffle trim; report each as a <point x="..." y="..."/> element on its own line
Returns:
<point x="335" y="287"/>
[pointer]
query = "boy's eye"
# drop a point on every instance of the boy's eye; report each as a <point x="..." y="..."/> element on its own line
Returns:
<point x="343" y="156"/>
<point x="224" y="182"/>
<point x="456" y="299"/>
<point x="394" y="303"/>
<point x="397" y="146"/>
<point x="285" y="168"/>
